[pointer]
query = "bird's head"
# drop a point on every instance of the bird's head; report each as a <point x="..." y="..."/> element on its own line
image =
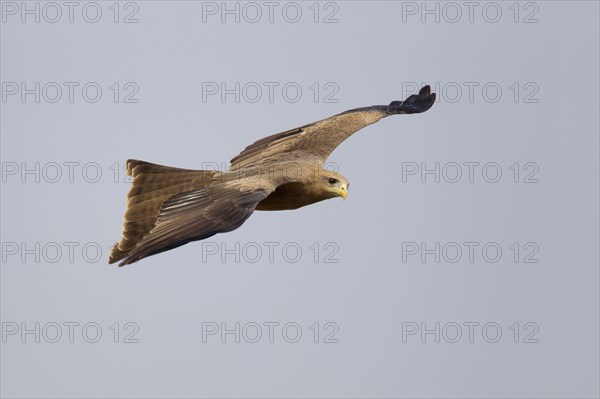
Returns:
<point x="334" y="184"/>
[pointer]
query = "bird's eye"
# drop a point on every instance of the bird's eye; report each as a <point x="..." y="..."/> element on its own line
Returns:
<point x="333" y="181"/>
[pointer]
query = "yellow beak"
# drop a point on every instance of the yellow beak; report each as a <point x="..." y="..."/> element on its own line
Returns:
<point x="342" y="191"/>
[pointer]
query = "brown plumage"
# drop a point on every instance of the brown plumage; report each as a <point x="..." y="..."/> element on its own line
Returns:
<point x="168" y="207"/>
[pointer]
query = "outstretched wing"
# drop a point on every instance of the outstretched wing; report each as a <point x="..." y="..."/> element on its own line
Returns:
<point x="322" y="137"/>
<point x="169" y="207"/>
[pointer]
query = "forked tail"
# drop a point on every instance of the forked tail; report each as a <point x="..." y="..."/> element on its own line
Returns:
<point x="152" y="186"/>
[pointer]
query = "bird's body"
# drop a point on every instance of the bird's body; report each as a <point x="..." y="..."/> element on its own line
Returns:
<point x="294" y="180"/>
<point x="168" y="207"/>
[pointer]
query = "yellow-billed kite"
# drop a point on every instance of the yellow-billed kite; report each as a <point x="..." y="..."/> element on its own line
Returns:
<point x="168" y="207"/>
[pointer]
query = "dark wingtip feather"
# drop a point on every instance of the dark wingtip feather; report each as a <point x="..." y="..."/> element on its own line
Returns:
<point x="415" y="103"/>
<point x="116" y="254"/>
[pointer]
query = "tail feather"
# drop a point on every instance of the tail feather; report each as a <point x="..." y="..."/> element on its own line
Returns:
<point x="152" y="186"/>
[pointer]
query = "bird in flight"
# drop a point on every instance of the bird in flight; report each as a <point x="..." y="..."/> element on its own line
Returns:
<point x="168" y="207"/>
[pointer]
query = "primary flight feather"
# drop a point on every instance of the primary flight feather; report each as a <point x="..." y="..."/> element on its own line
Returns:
<point x="168" y="207"/>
